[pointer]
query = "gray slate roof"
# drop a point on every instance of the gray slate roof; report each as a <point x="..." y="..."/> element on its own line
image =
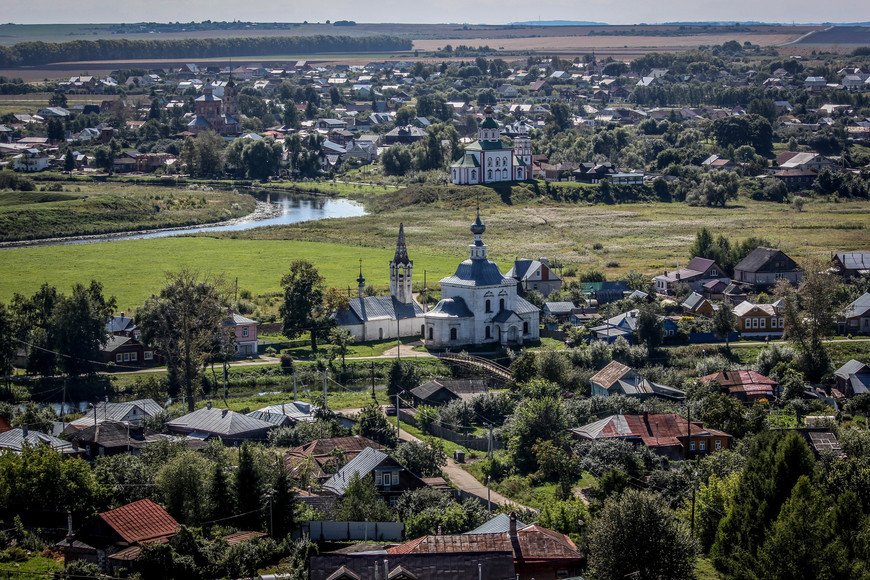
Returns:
<point x="120" y="323"/>
<point x="377" y="308"/>
<point x="855" y="260"/>
<point x="477" y="273"/>
<point x="118" y="411"/>
<point x="859" y="307"/>
<point x="218" y="422"/>
<point x="559" y="308"/>
<point x="296" y="411"/>
<point x="850" y="368"/>
<point x="760" y="257"/>
<point x="450" y="308"/>
<point x="362" y="464"/>
<point x="14" y="439"/>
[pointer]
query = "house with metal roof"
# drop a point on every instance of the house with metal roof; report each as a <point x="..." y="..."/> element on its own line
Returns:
<point x="695" y="305"/>
<point x="133" y="412"/>
<point x="384" y="317"/>
<point x="619" y="379"/>
<point x="391" y="479"/>
<point x="535" y="275"/>
<point x="319" y="457"/>
<point x="856" y="316"/>
<point x="210" y="422"/>
<point x="853" y="378"/>
<point x="851" y="264"/>
<point x="113" y="438"/>
<point x="480" y="305"/>
<point x="14" y="440"/>
<point x="697" y="273"/>
<point x="746" y="385"/>
<point x="624" y="325"/>
<point x="244" y="331"/>
<point x="287" y="414"/>
<point x="666" y="434"/>
<point x="766" y="266"/>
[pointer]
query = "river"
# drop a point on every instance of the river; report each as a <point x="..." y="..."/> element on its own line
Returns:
<point x="286" y="209"/>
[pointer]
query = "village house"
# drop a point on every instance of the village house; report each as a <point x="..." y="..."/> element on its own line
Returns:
<point x="666" y="434"/>
<point x="14" y="440"/>
<point x="129" y="412"/>
<point x="391" y="479"/>
<point x="210" y="422"/>
<point x="758" y="320"/>
<point x="126" y="351"/>
<point x="114" y="538"/>
<point x="439" y="392"/>
<point x="244" y="331"/>
<point x="287" y="414"/>
<point x="113" y="438"/>
<point x="698" y="272"/>
<point x="31" y="160"/>
<point x="853" y="378"/>
<point x="624" y="325"/>
<point x="747" y="386"/>
<point x="319" y="459"/>
<point x="480" y="305"/>
<point x="535" y="275"/>
<point x="851" y="264"/>
<point x="766" y="266"/>
<point x="619" y="379"/>
<point x="856" y="316"/>
<point x="697" y="305"/>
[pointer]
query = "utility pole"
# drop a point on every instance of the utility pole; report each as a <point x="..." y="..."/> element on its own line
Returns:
<point x="488" y="502"/>
<point x="325" y="406"/>
<point x="694" y="486"/>
<point x="398" y="341"/>
<point x="373" y="382"/>
<point x="489" y="454"/>
<point x="63" y="406"/>
<point x="294" y="383"/>
<point x="398" y="402"/>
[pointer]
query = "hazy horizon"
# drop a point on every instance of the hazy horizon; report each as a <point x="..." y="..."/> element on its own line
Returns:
<point x="449" y="11"/>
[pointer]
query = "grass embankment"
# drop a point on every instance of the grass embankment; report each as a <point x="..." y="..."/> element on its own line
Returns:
<point x="90" y="208"/>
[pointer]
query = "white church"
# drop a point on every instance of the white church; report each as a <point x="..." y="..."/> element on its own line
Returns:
<point x="383" y="317"/>
<point x="489" y="161"/>
<point x="480" y="305"/>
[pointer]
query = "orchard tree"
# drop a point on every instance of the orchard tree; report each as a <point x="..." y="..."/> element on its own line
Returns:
<point x="182" y="323"/>
<point x="304" y="308"/>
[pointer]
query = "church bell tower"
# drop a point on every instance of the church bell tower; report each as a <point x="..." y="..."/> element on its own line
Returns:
<point x="401" y="270"/>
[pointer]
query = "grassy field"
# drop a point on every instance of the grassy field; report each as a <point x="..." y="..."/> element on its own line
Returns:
<point x="644" y="237"/>
<point x="93" y="208"/>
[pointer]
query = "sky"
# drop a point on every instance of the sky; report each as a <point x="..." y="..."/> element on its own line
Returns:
<point x="440" y="11"/>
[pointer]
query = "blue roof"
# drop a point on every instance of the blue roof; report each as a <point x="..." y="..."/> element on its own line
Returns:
<point x="477" y="273"/>
<point x="500" y="524"/>
<point x="451" y="308"/>
<point x="362" y="464"/>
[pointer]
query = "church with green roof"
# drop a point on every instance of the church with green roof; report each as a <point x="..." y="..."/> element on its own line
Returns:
<point x="489" y="160"/>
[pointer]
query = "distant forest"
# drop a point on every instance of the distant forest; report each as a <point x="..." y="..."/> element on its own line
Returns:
<point x="37" y="53"/>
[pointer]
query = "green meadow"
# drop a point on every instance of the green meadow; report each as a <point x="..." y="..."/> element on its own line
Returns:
<point x="132" y="270"/>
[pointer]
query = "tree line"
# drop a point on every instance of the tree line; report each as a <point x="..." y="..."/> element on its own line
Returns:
<point x="36" y="53"/>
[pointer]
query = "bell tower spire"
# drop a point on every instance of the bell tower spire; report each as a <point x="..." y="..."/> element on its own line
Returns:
<point x="478" y="248"/>
<point x="401" y="271"/>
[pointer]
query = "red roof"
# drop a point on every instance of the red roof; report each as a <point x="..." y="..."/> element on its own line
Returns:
<point x="140" y="521"/>
<point x="533" y="543"/>
<point x="750" y="382"/>
<point x="655" y="430"/>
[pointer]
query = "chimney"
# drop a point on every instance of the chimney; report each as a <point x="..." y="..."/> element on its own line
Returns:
<point x="208" y="405"/>
<point x="545" y="261"/>
<point x="513" y="527"/>
<point x="69" y="529"/>
<point x="122" y="315"/>
<point x="224" y="412"/>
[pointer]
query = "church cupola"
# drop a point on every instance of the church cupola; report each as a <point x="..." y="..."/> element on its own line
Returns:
<point x="478" y="248"/>
<point x="401" y="271"/>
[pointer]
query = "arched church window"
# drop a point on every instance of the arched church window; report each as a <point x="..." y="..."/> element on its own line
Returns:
<point x="488" y="306"/>
<point x="452" y="334"/>
<point x="430" y="333"/>
<point x="473" y="174"/>
<point x="489" y="161"/>
<point x="488" y="332"/>
<point x="501" y="303"/>
<point x="525" y="327"/>
<point x="497" y="161"/>
<point x="489" y="174"/>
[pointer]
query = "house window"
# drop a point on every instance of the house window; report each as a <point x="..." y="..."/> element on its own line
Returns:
<point x="713" y="272"/>
<point x="119" y="357"/>
<point x="134" y="356"/>
<point x="525" y="327"/>
<point x="395" y="478"/>
<point x="763" y="322"/>
<point x="754" y="323"/>
<point x="691" y="445"/>
<point x="488" y="306"/>
<point x="149" y="355"/>
<point x="380" y="334"/>
<point x="379" y="478"/>
<point x="702" y="445"/>
<point x="718" y="444"/>
<point x="245" y="331"/>
<point x="488" y="332"/>
<point x="126" y="357"/>
<point x="102" y="451"/>
<point x="393" y="501"/>
<point x="452" y="334"/>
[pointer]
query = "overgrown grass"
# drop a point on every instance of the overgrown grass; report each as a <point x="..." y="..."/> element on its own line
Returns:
<point x="84" y="209"/>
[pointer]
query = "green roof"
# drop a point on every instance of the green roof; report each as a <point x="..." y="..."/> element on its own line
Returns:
<point x="489" y="123"/>
<point x="487" y="146"/>
<point x="466" y="161"/>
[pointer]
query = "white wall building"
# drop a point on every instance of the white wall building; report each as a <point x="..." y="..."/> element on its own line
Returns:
<point x="489" y="161"/>
<point x="479" y="305"/>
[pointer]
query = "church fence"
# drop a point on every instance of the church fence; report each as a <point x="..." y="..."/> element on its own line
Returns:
<point x="467" y="441"/>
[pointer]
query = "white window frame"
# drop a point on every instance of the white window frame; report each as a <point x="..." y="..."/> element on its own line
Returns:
<point x="395" y="478"/>
<point x="134" y="357"/>
<point x="691" y="445"/>
<point x="148" y="355"/>
<point x="379" y="479"/>
<point x="119" y="357"/>
<point x="718" y="444"/>
<point x="702" y="445"/>
<point x="762" y="323"/>
<point x="126" y="357"/>
<point x="244" y="331"/>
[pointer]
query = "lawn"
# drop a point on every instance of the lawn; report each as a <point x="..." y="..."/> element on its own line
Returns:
<point x="36" y="567"/>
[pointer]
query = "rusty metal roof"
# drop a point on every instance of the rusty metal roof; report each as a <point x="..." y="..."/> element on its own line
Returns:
<point x="607" y="376"/>
<point x="655" y="430"/>
<point x="140" y="521"/>
<point x="531" y="543"/>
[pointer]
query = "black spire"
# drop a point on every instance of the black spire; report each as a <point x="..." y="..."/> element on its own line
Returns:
<point x="477" y="228"/>
<point x="401" y="250"/>
<point x="361" y="279"/>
